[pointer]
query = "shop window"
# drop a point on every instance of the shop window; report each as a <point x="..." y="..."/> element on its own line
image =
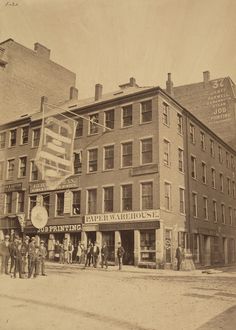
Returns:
<point x="10" y="168"/>
<point x="127" y="116"/>
<point x="166" y="152"/>
<point x="24" y="135"/>
<point x="127" y="197"/>
<point x="92" y="201"/>
<point x="108" y="199"/>
<point x="79" y="128"/>
<point x="78" y="162"/>
<point x="108" y="157"/>
<point x="110" y="119"/>
<point x="146" y="151"/>
<point x="127" y="150"/>
<point x="93" y="127"/>
<point x="2" y="140"/>
<point x="146" y="111"/>
<point x="76" y="202"/>
<point x="8" y="202"/>
<point x="1" y="170"/>
<point x="147" y="195"/>
<point x="12" y="141"/>
<point x="21" y="201"/>
<point x="22" y="167"/>
<point x="108" y="237"/>
<point x="168" y="245"/>
<point x="166" y="114"/>
<point x="93" y="160"/>
<point x="34" y="171"/>
<point x="59" y="204"/>
<point x="32" y="203"/>
<point x="36" y="137"/>
<point x="147" y="245"/>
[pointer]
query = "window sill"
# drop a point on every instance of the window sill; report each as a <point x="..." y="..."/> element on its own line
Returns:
<point x="94" y="172"/>
<point x="146" y="122"/>
<point x="124" y="127"/>
<point x="92" y="134"/>
<point x="108" y="170"/>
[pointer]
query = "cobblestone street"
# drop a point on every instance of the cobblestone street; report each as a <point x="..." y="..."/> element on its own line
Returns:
<point x="74" y="298"/>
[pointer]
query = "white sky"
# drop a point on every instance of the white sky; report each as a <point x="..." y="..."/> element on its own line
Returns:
<point x="109" y="41"/>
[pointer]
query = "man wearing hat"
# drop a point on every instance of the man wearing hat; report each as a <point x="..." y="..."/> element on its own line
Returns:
<point x="5" y="253"/>
<point x="25" y="251"/>
<point x="43" y="254"/>
<point x="95" y="253"/>
<point x="31" y="252"/>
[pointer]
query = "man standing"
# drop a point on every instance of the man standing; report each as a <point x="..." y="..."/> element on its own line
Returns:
<point x="43" y="254"/>
<point x="70" y="252"/>
<point x="104" y="255"/>
<point x="25" y="250"/>
<point x="5" y="253"/>
<point x="31" y="254"/>
<point x="120" y="254"/>
<point x="12" y="248"/>
<point x="89" y="254"/>
<point x="179" y="256"/>
<point x="18" y="256"/>
<point x="96" y="252"/>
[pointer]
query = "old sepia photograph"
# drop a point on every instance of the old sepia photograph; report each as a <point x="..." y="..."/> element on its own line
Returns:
<point x="117" y="164"/>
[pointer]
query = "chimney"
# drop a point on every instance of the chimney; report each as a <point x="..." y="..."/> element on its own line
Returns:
<point x="169" y="85"/>
<point x="42" y="51"/>
<point x="98" y="92"/>
<point x="206" y="77"/>
<point x="132" y="82"/>
<point x="44" y="100"/>
<point x="74" y="93"/>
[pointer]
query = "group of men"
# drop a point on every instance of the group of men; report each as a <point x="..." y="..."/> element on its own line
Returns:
<point x="25" y="257"/>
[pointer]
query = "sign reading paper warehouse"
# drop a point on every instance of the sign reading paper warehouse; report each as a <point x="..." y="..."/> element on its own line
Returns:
<point x="123" y="216"/>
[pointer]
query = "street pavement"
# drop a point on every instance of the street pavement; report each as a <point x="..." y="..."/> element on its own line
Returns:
<point x="72" y="297"/>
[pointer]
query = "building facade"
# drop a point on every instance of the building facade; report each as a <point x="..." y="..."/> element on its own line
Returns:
<point x="152" y="176"/>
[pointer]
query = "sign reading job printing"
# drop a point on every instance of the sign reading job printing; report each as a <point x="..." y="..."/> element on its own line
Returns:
<point x="60" y="228"/>
<point x="122" y="216"/>
<point x="54" y="157"/>
<point x="43" y="186"/>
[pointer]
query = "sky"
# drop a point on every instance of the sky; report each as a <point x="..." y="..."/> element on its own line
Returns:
<point x="109" y="41"/>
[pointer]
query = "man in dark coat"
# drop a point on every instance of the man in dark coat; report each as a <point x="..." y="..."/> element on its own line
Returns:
<point x="89" y="254"/>
<point x="104" y="255"/>
<point x="43" y="254"/>
<point x="18" y="252"/>
<point x="120" y="254"/>
<point x="35" y="260"/>
<point x="95" y="253"/>
<point x="31" y="252"/>
<point x="5" y="253"/>
<point x="12" y="248"/>
<point x="179" y="256"/>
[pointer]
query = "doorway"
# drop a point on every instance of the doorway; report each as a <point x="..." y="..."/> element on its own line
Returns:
<point x="91" y="236"/>
<point x="127" y="241"/>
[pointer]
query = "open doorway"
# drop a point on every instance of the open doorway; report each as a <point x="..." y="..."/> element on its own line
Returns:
<point x="127" y="241"/>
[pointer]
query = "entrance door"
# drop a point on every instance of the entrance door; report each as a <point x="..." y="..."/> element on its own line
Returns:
<point x="91" y="236"/>
<point x="127" y="241"/>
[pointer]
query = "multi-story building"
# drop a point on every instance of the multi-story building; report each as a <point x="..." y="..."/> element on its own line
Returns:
<point x="213" y="101"/>
<point x="26" y="75"/>
<point x="151" y="176"/>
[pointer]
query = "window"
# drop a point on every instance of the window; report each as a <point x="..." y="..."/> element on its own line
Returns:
<point x="146" y="111"/>
<point x="147" y="196"/>
<point x="22" y="168"/>
<point x="227" y="159"/>
<point x="165" y="114"/>
<point x="36" y="137"/>
<point x="166" y="156"/>
<point x="93" y="160"/>
<point x="92" y="201"/>
<point x="181" y="201"/>
<point x="192" y="133"/>
<point x="232" y="163"/>
<point x="220" y="154"/>
<point x="2" y="140"/>
<point x="12" y="141"/>
<point x="221" y="182"/>
<point x="212" y="148"/>
<point x="223" y="213"/>
<point x="194" y="200"/>
<point x="205" y="207"/>
<point x="108" y="199"/>
<point x="79" y="128"/>
<point x="127" y="197"/>
<point x="77" y="162"/>
<point x="21" y="201"/>
<point x="146" y="151"/>
<point x="181" y="160"/>
<point x="10" y="168"/>
<point x="180" y="123"/>
<point x="32" y="203"/>
<point x="76" y="208"/>
<point x="167" y="192"/>
<point x="203" y="143"/>
<point x="60" y="204"/>
<point x="215" y="214"/>
<point x="193" y="167"/>
<point x="230" y="216"/>
<point x="213" y="178"/>
<point x="93" y="128"/>
<point x="46" y="202"/>
<point x="127" y="116"/>
<point x="147" y="245"/>
<point x="228" y="186"/>
<point x="204" y="173"/>
<point x="1" y="170"/>
<point x="24" y="135"/>
<point x="127" y="150"/>
<point x="34" y="171"/>
<point x="110" y="119"/>
<point x="233" y="189"/>
<point x="108" y="157"/>
<point x="8" y="203"/>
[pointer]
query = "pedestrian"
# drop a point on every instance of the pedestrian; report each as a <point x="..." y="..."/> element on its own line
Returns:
<point x="43" y="254"/>
<point x="179" y="256"/>
<point x="5" y="253"/>
<point x="61" y="254"/>
<point x="89" y="254"/>
<point x="34" y="264"/>
<point x="25" y="251"/>
<point x="78" y="253"/>
<point x="57" y="251"/>
<point x="31" y="253"/>
<point x="95" y="254"/>
<point x="65" y="247"/>
<point x="12" y="248"/>
<point x="18" y="252"/>
<point x="104" y="255"/>
<point x="120" y="254"/>
<point x="70" y="252"/>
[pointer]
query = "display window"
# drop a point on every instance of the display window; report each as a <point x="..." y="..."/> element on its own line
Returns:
<point x="147" y="245"/>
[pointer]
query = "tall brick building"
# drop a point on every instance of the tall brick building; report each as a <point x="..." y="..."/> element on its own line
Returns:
<point x="213" y="101"/>
<point x="26" y="75"/>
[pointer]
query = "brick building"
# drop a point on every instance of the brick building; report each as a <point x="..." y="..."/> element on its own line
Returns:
<point x="156" y="178"/>
<point x="212" y="101"/>
<point x="26" y="75"/>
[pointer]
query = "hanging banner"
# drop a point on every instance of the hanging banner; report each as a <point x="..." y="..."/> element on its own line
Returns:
<point x="54" y="158"/>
